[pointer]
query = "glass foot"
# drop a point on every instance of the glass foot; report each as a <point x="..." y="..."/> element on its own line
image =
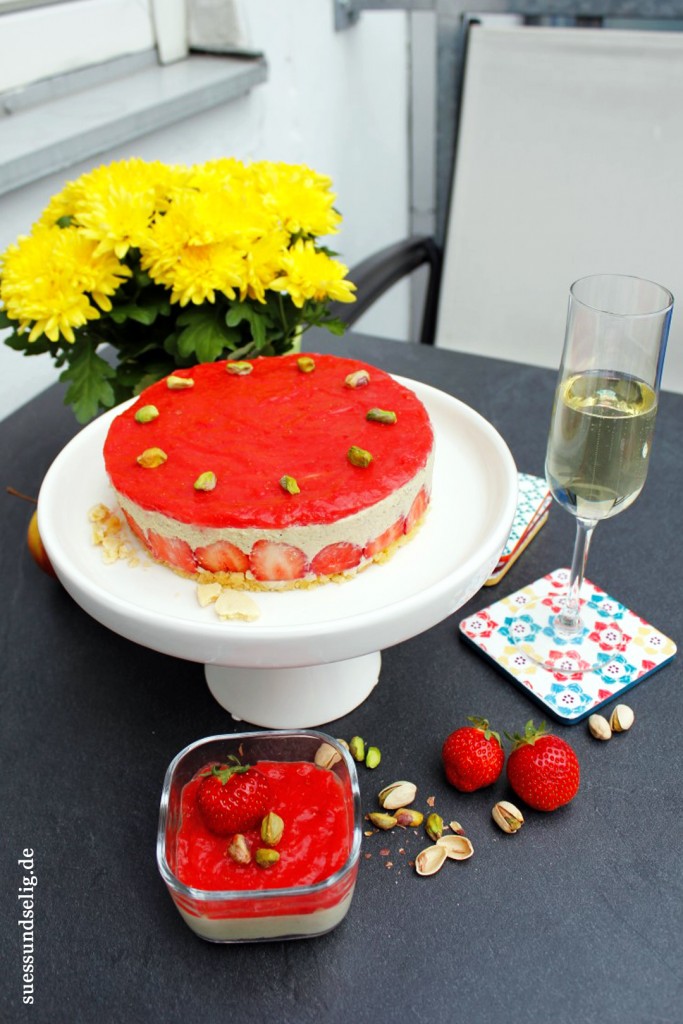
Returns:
<point x="544" y="641"/>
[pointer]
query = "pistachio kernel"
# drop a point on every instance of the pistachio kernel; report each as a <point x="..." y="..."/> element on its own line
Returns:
<point x="306" y="364"/>
<point x="152" y="457"/>
<point x="238" y="849"/>
<point x="175" y="383"/>
<point x="383" y="821"/>
<point x="507" y="817"/>
<point x="381" y="416"/>
<point x="272" y="828"/>
<point x="265" y="857"/>
<point x="429" y="861"/>
<point x="397" y="794"/>
<point x="205" y="481"/>
<point x="239" y="368"/>
<point x="434" y="826"/>
<point x="289" y="484"/>
<point x="407" y="817"/>
<point x="146" y="414"/>
<point x="357" y="379"/>
<point x="373" y="757"/>
<point x="358" y="456"/>
<point x="357" y="748"/>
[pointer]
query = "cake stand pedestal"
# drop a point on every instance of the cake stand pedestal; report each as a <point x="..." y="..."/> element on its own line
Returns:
<point x="312" y="656"/>
<point x="324" y="693"/>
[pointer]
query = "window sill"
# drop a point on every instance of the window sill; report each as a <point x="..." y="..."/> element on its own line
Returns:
<point x="63" y="131"/>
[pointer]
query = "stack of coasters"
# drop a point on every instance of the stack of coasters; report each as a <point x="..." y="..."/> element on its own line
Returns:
<point x="533" y="504"/>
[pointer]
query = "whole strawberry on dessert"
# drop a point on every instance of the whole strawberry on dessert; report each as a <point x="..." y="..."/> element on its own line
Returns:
<point x="472" y="756"/>
<point x="543" y="769"/>
<point x="233" y="798"/>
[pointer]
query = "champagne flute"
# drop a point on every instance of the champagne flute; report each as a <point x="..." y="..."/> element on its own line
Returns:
<point x="599" y="443"/>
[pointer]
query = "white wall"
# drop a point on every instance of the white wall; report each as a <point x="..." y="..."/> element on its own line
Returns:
<point x="334" y="100"/>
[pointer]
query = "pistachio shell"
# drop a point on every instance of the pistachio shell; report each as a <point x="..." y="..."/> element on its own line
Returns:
<point x="599" y="727"/>
<point x="507" y="817"/>
<point x="622" y="718"/>
<point x="398" y="794"/>
<point x="430" y="860"/>
<point x="456" y="847"/>
<point x="326" y="755"/>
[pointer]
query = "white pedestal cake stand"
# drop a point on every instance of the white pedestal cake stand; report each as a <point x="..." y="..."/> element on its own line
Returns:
<point x="313" y="655"/>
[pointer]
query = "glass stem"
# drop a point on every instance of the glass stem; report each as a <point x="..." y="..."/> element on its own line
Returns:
<point x="568" y="621"/>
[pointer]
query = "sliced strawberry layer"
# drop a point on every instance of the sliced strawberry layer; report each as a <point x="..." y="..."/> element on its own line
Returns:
<point x="137" y="530"/>
<point x="272" y="561"/>
<point x="417" y="510"/>
<point x="173" y="551"/>
<point x="336" y="558"/>
<point x="385" y="539"/>
<point x="222" y="556"/>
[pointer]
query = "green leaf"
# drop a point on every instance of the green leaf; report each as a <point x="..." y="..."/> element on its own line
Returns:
<point x="143" y="313"/>
<point x="5" y="320"/>
<point x="240" y="312"/>
<point x="89" y="389"/>
<point x="204" y="337"/>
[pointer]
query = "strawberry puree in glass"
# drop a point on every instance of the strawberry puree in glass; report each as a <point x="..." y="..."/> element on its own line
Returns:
<point x="316" y="841"/>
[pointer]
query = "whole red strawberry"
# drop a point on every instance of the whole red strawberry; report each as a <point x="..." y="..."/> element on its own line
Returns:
<point x="543" y="770"/>
<point x="472" y="756"/>
<point x="233" y="798"/>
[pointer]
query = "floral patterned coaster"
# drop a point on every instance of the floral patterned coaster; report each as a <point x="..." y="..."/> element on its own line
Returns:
<point x="629" y="648"/>
<point x="533" y="502"/>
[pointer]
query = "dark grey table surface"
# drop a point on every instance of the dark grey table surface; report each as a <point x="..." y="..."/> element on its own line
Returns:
<point x="577" y="918"/>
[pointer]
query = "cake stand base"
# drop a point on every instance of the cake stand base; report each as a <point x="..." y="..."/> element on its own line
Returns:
<point x="294" y="698"/>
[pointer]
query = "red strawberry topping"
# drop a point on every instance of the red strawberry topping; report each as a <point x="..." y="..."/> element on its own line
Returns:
<point x="543" y="770"/>
<point x="472" y="756"/>
<point x="233" y="798"/>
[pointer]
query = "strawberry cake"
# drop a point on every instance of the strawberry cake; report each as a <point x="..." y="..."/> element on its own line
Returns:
<point x="272" y="473"/>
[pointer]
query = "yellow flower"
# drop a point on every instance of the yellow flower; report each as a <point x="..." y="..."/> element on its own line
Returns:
<point x="301" y="198"/>
<point x="309" y="274"/>
<point x="200" y="244"/>
<point x="115" y="204"/>
<point x="50" y="277"/>
<point x="263" y="261"/>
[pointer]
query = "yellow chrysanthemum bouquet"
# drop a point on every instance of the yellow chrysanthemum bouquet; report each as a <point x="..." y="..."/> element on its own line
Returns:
<point x="171" y="266"/>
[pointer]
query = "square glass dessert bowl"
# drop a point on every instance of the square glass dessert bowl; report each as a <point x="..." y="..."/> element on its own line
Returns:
<point x="288" y="873"/>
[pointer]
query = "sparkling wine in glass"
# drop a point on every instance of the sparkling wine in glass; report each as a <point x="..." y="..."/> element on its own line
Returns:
<point x="600" y="437"/>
